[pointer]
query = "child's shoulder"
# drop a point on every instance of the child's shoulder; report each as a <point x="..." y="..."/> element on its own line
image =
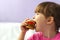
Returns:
<point x="36" y="36"/>
<point x="57" y="37"/>
<point x="58" y="34"/>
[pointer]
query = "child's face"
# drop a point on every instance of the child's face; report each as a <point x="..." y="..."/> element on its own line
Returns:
<point x="40" y="22"/>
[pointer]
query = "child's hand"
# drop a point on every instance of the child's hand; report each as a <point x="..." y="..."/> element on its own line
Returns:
<point x="27" y="24"/>
<point x="23" y="30"/>
<point x="23" y="26"/>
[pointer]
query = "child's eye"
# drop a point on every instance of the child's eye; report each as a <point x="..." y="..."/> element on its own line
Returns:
<point x="37" y="14"/>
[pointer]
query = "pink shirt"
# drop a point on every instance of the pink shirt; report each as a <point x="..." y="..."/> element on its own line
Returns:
<point x="39" y="36"/>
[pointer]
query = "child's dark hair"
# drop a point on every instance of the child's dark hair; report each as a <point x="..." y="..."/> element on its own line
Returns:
<point x="50" y="9"/>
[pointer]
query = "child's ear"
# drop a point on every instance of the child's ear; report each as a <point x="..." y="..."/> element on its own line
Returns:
<point x="50" y="20"/>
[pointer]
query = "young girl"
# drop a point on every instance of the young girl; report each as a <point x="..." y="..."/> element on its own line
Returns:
<point x="47" y="20"/>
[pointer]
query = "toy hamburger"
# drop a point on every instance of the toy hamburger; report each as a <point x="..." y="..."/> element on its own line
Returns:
<point x="31" y="24"/>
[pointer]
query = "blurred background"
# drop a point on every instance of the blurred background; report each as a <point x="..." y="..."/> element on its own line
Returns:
<point x="12" y="13"/>
<point x="18" y="10"/>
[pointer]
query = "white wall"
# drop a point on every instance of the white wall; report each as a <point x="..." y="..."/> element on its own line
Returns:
<point x="11" y="31"/>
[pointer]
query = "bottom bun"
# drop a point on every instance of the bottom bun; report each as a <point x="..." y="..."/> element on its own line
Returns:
<point x="30" y="27"/>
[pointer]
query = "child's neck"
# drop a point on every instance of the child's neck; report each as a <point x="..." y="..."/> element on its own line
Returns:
<point x="49" y="33"/>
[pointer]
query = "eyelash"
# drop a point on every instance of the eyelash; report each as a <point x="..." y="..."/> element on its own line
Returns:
<point x="37" y="14"/>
